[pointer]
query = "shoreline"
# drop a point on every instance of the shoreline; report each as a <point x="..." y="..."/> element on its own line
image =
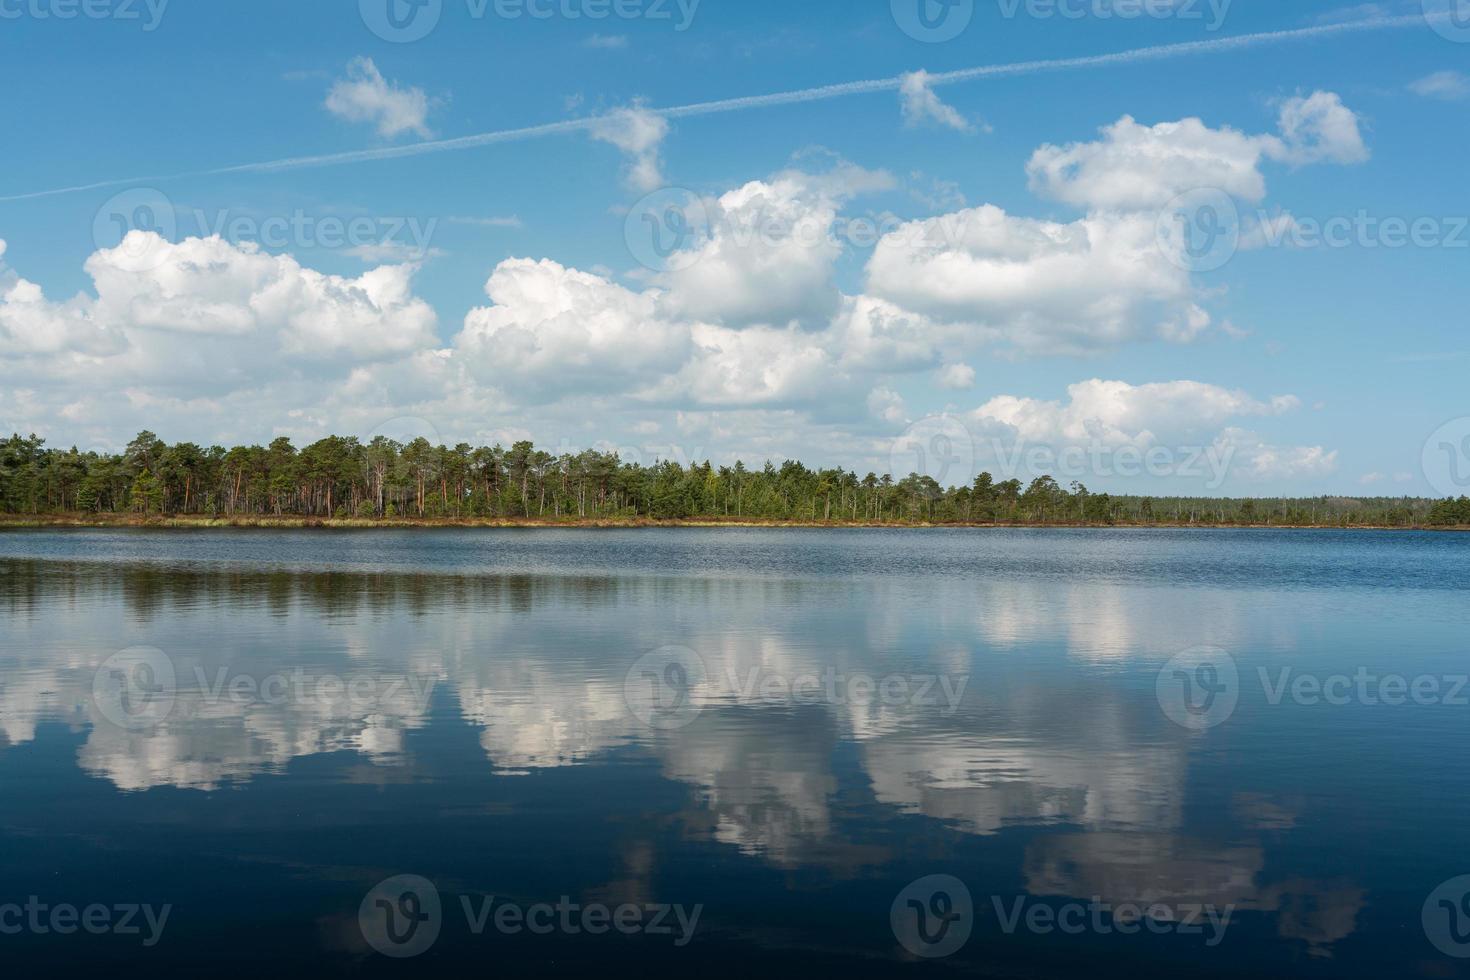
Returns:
<point x="204" y="523"/>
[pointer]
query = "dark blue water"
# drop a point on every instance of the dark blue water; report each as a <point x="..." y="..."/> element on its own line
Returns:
<point x="870" y="753"/>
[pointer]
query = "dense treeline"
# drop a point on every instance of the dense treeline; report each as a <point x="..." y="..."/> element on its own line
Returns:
<point x="342" y="477"/>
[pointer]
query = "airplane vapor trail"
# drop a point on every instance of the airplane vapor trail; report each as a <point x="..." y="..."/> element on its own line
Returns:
<point x="820" y="93"/>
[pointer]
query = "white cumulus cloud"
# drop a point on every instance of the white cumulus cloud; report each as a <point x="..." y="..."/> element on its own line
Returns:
<point x="1318" y="128"/>
<point x="750" y="345"/>
<point x="639" y="133"/>
<point x="1137" y="167"/>
<point x="956" y="376"/>
<point x="1448" y="85"/>
<point x="770" y="251"/>
<point x="921" y="105"/>
<point x="1258" y="459"/>
<point x="365" y="96"/>
<point x="1038" y="286"/>
<point x="553" y="330"/>
<point x="1134" y="166"/>
<point x="1115" y="413"/>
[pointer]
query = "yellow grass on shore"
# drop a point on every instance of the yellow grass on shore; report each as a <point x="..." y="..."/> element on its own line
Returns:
<point x="204" y="522"/>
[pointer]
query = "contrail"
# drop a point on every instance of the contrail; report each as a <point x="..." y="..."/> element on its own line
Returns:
<point x="821" y="93"/>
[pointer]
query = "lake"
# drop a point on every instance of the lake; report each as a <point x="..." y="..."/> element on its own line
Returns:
<point x="854" y="753"/>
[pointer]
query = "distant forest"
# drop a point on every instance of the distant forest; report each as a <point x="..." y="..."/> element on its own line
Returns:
<point x="383" y="480"/>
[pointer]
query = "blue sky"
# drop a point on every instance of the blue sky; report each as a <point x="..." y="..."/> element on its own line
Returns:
<point x="1046" y="314"/>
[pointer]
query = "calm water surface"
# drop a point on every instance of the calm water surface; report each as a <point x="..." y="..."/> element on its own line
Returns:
<point x="785" y="732"/>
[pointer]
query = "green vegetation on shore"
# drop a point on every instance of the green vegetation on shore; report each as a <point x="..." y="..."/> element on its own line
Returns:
<point x="342" y="482"/>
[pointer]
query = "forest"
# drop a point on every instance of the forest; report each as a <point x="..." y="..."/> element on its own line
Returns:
<point x="340" y="478"/>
